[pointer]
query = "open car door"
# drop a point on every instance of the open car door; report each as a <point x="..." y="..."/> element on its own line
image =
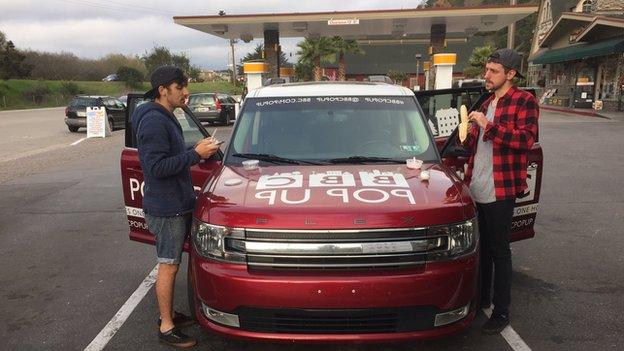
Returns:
<point x="132" y="174"/>
<point x="441" y="108"/>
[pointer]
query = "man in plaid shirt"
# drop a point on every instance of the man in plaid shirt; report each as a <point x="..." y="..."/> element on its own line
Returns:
<point x="503" y="131"/>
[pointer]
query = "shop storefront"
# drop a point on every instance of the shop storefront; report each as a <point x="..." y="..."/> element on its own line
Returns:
<point x="580" y="63"/>
<point x="584" y="76"/>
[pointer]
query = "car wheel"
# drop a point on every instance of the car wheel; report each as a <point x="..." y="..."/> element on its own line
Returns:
<point x="111" y="125"/>
<point x="72" y="129"/>
<point x="190" y="290"/>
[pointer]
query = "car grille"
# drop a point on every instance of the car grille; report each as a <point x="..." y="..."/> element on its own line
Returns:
<point x="337" y="249"/>
<point x="337" y="321"/>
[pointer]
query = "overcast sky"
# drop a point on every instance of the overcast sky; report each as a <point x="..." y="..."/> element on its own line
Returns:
<point x="95" y="28"/>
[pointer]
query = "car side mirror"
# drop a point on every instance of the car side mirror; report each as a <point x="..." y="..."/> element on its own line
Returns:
<point x="453" y="148"/>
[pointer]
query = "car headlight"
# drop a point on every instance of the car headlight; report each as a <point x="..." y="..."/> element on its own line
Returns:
<point x="462" y="239"/>
<point x="215" y="242"/>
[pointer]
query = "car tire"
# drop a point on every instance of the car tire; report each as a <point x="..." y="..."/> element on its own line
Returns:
<point x="111" y="124"/>
<point x="190" y="290"/>
<point x="73" y="129"/>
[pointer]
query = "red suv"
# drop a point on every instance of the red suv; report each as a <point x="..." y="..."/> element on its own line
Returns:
<point x="310" y="226"/>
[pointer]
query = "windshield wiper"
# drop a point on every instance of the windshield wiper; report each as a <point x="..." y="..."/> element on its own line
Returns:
<point x="275" y="159"/>
<point x="364" y="159"/>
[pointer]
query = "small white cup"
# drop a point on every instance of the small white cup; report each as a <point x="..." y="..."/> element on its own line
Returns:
<point x="424" y="175"/>
<point x="413" y="163"/>
<point x="250" y="165"/>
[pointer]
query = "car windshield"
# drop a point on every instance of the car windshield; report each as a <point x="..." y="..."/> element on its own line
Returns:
<point x="201" y="100"/>
<point x="332" y="129"/>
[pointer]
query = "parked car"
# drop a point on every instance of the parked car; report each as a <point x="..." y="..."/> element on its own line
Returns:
<point x="380" y="79"/>
<point x="213" y="107"/>
<point x="123" y="99"/>
<point x="110" y="78"/>
<point x="312" y="227"/>
<point x="76" y="111"/>
<point x="273" y="81"/>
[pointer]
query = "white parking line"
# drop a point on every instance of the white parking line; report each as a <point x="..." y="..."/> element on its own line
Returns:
<point x="124" y="312"/>
<point x="78" y="141"/>
<point x="509" y="334"/>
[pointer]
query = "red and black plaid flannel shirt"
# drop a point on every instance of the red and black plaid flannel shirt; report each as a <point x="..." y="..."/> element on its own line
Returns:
<point x="512" y="132"/>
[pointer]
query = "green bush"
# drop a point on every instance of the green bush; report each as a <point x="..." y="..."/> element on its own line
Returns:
<point x="37" y="92"/>
<point x="69" y="88"/>
<point x="4" y="89"/>
<point x="131" y="76"/>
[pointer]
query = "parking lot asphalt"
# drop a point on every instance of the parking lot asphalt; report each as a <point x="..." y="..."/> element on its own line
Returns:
<point x="68" y="266"/>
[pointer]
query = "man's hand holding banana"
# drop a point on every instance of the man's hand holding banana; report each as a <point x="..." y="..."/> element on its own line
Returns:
<point x="479" y="118"/>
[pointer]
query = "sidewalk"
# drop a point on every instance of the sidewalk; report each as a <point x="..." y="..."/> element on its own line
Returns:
<point x="585" y="112"/>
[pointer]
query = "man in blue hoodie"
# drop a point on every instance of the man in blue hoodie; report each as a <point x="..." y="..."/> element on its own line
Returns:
<point x="169" y="197"/>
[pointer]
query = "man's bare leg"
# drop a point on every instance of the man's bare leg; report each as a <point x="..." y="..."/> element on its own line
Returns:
<point x="164" y="294"/>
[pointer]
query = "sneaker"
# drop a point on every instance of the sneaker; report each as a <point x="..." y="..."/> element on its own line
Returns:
<point x="176" y="338"/>
<point x="180" y="320"/>
<point x="495" y="324"/>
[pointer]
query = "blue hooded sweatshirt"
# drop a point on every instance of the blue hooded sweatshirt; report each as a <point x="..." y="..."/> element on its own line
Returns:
<point x="165" y="161"/>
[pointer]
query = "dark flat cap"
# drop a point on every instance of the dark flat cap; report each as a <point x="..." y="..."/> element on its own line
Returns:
<point x="164" y="75"/>
<point x="508" y="58"/>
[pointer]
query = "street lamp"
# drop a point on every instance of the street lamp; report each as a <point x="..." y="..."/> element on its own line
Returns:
<point x="417" y="56"/>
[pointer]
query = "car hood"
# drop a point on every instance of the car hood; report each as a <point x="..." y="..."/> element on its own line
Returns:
<point x="334" y="197"/>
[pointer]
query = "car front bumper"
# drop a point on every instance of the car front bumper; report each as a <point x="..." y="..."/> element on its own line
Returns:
<point x="321" y="307"/>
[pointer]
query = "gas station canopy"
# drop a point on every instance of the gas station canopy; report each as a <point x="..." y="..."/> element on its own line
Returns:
<point x="370" y="25"/>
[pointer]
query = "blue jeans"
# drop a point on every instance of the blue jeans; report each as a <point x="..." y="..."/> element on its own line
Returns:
<point x="170" y="233"/>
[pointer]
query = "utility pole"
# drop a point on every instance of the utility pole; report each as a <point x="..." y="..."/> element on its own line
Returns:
<point x="511" y="30"/>
<point x="232" y="42"/>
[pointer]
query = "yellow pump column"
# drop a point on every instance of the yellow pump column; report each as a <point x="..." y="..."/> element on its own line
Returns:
<point x="254" y="71"/>
<point x="443" y="65"/>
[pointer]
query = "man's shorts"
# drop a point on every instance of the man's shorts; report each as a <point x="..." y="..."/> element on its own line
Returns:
<point x="170" y="233"/>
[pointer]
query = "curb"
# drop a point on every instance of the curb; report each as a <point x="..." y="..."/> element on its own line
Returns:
<point x="573" y="111"/>
<point x="32" y="109"/>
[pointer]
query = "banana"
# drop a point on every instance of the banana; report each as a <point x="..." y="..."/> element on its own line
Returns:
<point x="463" y="126"/>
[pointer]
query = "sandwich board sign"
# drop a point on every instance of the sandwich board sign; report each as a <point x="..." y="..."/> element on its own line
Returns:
<point x="97" y="122"/>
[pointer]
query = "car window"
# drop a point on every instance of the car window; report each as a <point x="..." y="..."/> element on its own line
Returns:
<point x="223" y="99"/>
<point x="118" y="103"/>
<point x="190" y="130"/>
<point x="109" y="103"/>
<point x="322" y="128"/>
<point x="442" y="111"/>
<point x="206" y="100"/>
<point x="83" y="102"/>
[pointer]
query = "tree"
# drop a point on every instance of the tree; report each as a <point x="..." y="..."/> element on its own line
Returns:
<point x="342" y="47"/>
<point x="131" y="76"/>
<point x="304" y="71"/>
<point x="258" y="54"/>
<point x="477" y="61"/>
<point x="11" y="60"/>
<point x="195" y="74"/>
<point x="315" y="51"/>
<point x="161" y="56"/>
<point x="397" y="76"/>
